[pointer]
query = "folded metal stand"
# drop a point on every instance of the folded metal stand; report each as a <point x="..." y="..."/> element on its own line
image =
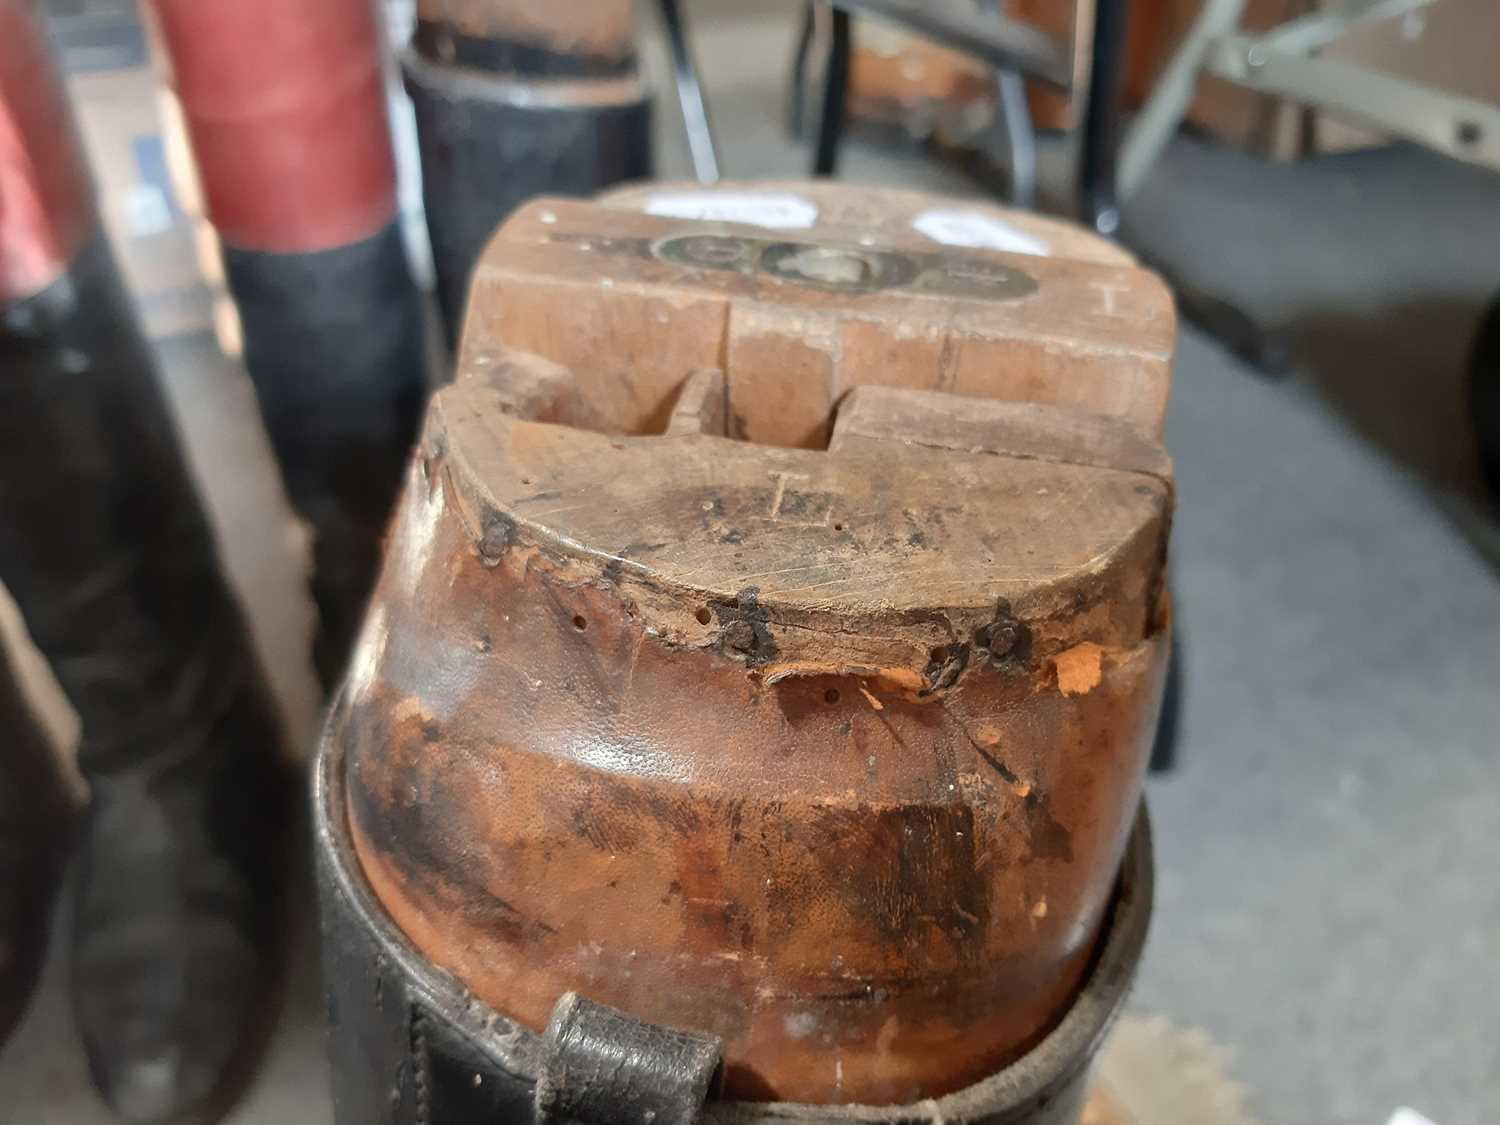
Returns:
<point x="1284" y="62"/>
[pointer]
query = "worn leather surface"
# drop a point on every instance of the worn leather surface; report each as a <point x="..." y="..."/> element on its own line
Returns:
<point x="602" y="1067"/>
<point x="105" y="545"/>
<point x="409" y="1046"/>
<point x="815" y="720"/>
<point x="549" y="795"/>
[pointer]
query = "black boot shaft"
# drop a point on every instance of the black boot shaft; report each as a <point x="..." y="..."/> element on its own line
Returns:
<point x="334" y="344"/>
<point x="503" y="116"/>
<point x="103" y="538"/>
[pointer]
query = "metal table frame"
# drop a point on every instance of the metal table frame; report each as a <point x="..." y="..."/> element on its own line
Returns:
<point x="1284" y="62"/>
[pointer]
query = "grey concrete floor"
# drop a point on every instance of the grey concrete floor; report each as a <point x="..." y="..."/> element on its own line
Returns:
<point x="1329" y="904"/>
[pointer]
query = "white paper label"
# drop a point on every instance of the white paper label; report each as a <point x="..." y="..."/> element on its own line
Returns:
<point x="774" y="210"/>
<point x="1407" y="1116"/>
<point x="978" y="230"/>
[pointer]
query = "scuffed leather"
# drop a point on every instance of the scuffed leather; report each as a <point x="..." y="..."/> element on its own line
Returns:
<point x="409" y="1046"/>
<point x="604" y="1067"/>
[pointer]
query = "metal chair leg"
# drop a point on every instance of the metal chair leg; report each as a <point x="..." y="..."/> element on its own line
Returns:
<point x="1164" y="109"/>
<point x="1013" y="123"/>
<point x="835" y="96"/>
<point x="1098" y="200"/>
<point x="797" y="103"/>
<point x="700" y="136"/>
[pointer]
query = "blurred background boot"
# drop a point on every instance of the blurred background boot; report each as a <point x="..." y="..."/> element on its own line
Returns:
<point x="514" y="100"/>
<point x="35" y="812"/>
<point x="105" y="546"/>
<point x="285" y="108"/>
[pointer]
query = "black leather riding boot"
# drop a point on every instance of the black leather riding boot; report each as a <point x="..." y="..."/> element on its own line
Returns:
<point x="34" y="817"/>
<point x="333" y="343"/>
<point x="297" y="173"/>
<point x="104" y="543"/>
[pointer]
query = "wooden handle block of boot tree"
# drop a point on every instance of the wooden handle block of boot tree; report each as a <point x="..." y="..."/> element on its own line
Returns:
<point x="772" y="630"/>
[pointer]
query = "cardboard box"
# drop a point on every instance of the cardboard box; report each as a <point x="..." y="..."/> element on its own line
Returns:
<point x="114" y="91"/>
<point x="153" y="236"/>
